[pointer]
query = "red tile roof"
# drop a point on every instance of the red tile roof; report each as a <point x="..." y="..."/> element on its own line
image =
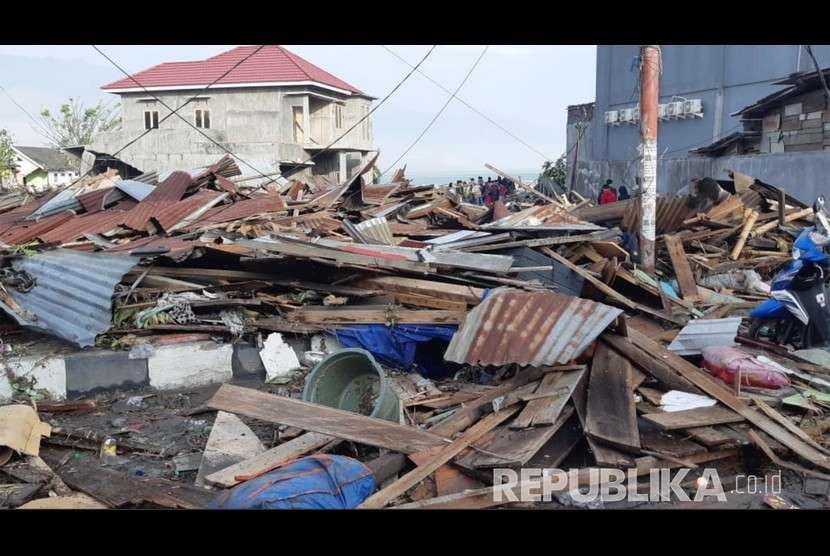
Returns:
<point x="272" y="63"/>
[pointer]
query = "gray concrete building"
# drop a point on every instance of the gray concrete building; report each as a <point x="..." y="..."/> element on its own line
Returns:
<point x="274" y="110"/>
<point x="702" y="89"/>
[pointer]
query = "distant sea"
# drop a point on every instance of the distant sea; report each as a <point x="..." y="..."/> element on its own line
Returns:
<point x="437" y="178"/>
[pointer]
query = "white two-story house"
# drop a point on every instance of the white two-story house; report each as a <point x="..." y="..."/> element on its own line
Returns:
<point x="274" y="110"/>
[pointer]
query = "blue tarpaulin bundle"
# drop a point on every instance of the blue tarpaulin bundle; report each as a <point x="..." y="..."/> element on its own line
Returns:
<point x="318" y="482"/>
<point x="397" y="345"/>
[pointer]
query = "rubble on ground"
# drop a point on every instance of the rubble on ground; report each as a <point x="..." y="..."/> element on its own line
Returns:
<point x="522" y="334"/>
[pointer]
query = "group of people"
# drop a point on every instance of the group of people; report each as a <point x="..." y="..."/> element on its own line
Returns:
<point x="609" y="194"/>
<point x="482" y="192"/>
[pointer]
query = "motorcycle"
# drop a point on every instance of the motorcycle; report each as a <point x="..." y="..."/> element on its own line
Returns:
<point x="798" y="313"/>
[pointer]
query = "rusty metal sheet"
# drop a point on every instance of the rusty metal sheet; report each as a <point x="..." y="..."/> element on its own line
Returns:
<point x="93" y="201"/>
<point x="544" y="217"/>
<point x="75" y="228"/>
<point x="671" y="212"/>
<point x="174" y="248"/>
<point x="171" y="189"/>
<point x="377" y="194"/>
<point x="24" y="232"/>
<point x="244" y="209"/>
<point x="529" y="328"/>
<point x="21" y="212"/>
<point x="173" y="214"/>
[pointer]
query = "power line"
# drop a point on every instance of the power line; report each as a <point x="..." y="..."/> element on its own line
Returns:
<point x="374" y="108"/>
<point x="452" y="96"/>
<point x="40" y="129"/>
<point x="270" y="180"/>
<point x="176" y="113"/>
<point x="468" y="105"/>
<point x="201" y="92"/>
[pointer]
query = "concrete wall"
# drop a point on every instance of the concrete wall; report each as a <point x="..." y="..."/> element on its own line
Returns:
<point x="255" y="123"/>
<point x="803" y="174"/>
<point x="725" y="77"/>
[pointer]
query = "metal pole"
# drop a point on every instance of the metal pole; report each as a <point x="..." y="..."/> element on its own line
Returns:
<point x="649" y="99"/>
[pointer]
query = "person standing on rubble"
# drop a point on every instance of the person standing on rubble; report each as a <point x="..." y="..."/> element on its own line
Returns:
<point x="476" y="192"/>
<point x="623" y="193"/>
<point x="607" y="194"/>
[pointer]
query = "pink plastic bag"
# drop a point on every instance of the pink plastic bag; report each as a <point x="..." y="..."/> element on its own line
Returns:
<point x="724" y="363"/>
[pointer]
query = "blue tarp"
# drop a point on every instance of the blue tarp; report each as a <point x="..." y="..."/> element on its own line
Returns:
<point x="319" y="482"/>
<point x="396" y="345"/>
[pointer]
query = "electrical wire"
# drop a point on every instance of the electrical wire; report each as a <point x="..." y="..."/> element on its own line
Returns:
<point x="441" y="111"/>
<point x="40" y="129"/>
<point x="270" y="180"/>
<point x="468" y="105"/>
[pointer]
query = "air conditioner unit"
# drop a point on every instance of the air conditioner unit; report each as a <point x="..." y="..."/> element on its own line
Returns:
<point x="675" y="109"/>
<point x="661" y="111"/>
<point x="635" y="115"/>
<point x="693" y="107"/>
<point x="612" y="117"/>
<point x="625" y="115"/>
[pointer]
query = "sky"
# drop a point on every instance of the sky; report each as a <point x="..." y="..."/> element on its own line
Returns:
<point x="525" y="88"/>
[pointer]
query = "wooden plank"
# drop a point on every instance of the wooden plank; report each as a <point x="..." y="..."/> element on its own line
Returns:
<point x="429" y="301"/>
<point x="680" y="262"/>
<point x="324" y="420"/>
<point x="611" y="416"/>
<point x="698" y="417"/>
<point x="449" y="480"/>
<point x="606" y="289"/>
<point x="468" y="415"/>
<point x="604" y="456"/>
<point x="749" y="222"/>
<point x="509" y="447"/>
<point x="654" y="366"/>
<point x="672" y="444"/>
<point x="609" y="250"/>
<point x="718" y="391"/>
<point x="268" y="460"/>
<point x="355" y="315"/>
<point x="544" y="241"/>
<point x="421" y="472"/>
<point x="565" y="385"/>
<point x="709" y="436"/>
<point x="787" y="424"/>
<point x="485" y="498"/>
<point x="441" y="290"/>
<point x="547" y="387"/>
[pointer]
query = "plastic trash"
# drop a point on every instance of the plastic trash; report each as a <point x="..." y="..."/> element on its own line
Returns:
<point x="725" y="362"/>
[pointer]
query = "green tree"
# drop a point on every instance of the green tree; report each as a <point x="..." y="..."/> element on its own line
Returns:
<point x="555" y="171"/>
<point x="76" y="124"/>
<point x="7" y="162"/>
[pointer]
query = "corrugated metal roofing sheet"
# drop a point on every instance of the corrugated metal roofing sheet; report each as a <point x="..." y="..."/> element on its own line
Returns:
<point x="244" y="209"/>
<point x="671" y="211"/>
<point x="93" y="201"/>
<point x="174" y="213"/>
<point x="64" y="200"/>
<point x="529" y="328"/>
<point x="27" y="231"/>
<point x="703" y="333"/>
<point x="135" y="189"/>
<point x="75" y="228"/>
<point x="544" y="217"/>
<point x="171" y="189"/>
<point x="72" y="296"/>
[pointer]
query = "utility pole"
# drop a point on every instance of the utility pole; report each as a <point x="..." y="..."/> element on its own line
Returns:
<point x="649" y="99"/>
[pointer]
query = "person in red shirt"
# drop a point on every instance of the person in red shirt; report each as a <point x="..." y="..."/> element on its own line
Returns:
<point x="607" y="194"/>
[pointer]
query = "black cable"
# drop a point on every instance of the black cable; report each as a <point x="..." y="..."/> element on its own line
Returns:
<point x="42" y="131"/>
<point x="820" y="73"/>
<point x="441" y="111"/>
<point x="327" y="148"/>
<point x="468" y="105"/>
<point x="145" y="132"/>
<point x="176" y="113"/>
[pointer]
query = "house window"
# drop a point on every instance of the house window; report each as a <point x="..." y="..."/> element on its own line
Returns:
<point x="338" y="116"/>
<point x="203" y="118"/>
<point x="299" y="134"/>
<point x="151" y="119"/>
